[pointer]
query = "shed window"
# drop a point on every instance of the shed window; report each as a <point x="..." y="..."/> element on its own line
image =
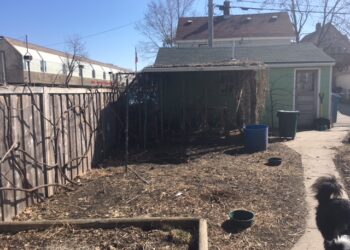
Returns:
<point x="93" y="74"/>
<point x="43" y="66"/>
<point x="307" y="80"/>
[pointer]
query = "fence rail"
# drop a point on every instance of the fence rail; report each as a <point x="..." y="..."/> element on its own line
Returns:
<point x="48" y="137"/>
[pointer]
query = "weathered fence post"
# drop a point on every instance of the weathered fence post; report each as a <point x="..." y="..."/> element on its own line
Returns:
<point x="45" y="117"/>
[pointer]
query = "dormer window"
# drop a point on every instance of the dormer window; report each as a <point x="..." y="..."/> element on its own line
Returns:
<point x="274" y="18"/>
<point x="247" y="19"/>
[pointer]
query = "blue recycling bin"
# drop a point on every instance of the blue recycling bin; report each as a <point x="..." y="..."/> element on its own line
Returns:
<point x="335" y="103"/>
<point x="256" y="137"/>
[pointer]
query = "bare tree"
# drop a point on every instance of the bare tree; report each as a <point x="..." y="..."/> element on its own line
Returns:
<point x="323" y="11"/>
<point x="160" y="22"/>
<point x="75" y="52"/>
<point x="334" y="12"/>
<point x="299" y="12"/>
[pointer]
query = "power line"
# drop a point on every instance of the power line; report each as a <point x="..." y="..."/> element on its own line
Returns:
<point x="109" y="30"/>
<point x="279" y="3"/>
<point x="99" y="33"/>
<point x="285" y="9"/>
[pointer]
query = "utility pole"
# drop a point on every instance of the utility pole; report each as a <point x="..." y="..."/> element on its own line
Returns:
<point x="28" y="58"/>
<point x="210" y="23"/>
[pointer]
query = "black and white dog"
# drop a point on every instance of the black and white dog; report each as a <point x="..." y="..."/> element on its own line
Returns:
<point x="340" y="243"/>
<point x="333" y="213"/>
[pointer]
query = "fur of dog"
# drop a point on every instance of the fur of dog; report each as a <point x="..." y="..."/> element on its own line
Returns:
<point x="332" y="212"/>
<point x="340" y="243"/>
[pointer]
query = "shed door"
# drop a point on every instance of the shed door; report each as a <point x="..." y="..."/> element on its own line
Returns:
<point x="306" y="96"/>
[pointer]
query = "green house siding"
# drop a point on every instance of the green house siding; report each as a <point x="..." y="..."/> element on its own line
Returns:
<point x="281" y="92"/>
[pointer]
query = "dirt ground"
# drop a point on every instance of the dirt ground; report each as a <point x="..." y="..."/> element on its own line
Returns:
<point x="206" y="182"/>
<point x="70" y="238"/>
<point x="342" y="162"/>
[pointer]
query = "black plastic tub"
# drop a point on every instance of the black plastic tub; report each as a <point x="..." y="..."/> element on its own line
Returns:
<point x="242" y="218"/>
<point x="274" y="161"/>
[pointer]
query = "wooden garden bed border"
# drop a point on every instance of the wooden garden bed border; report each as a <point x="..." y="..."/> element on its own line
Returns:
<point x="142" y="222"/>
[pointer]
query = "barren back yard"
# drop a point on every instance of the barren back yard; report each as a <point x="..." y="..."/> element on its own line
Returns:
<point x="196" y="181"/>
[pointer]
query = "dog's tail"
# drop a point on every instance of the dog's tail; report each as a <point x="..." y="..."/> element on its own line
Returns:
<point x="325" y="188"/>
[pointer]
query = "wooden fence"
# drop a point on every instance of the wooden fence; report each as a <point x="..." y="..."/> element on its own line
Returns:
<point x="48" y="137"/>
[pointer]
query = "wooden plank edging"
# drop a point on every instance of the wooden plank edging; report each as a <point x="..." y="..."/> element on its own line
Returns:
<point x="143" y="222"/>
<point x="203" y="235"/>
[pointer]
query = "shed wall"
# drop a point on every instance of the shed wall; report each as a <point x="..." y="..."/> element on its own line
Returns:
<point x="199" y="100"/>
<point x="281" y="92"/>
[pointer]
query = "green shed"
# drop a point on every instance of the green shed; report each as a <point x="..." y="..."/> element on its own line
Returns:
<point x="300" y="78"/>
<point x="299" y="75"/>
<point x="204" y="89"/>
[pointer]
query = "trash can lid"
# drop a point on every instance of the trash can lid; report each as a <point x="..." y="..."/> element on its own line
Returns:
<point x="288" y="111"/>
<point x="256" y="126"/>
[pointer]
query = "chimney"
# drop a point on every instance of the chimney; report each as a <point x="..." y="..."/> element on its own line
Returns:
<point x="210" y="23"/>
<point x="226" y="8"/>
<point x="318" y="26"/>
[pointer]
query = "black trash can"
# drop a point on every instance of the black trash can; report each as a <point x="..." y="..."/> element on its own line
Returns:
<point x="335" y="102"/>
<point x="288" y="121"/>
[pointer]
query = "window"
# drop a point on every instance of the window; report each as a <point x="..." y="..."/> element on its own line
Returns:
<point x="93" y="74"/>
<point x="43" y="66"/>
<point x="80" y="71"/>
<point x="104" y="75"/>
<point x="307" y="80"/>
<point x="64" y="69"/>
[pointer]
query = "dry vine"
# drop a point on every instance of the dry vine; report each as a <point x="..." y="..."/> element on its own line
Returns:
<point x="15" y="151"/>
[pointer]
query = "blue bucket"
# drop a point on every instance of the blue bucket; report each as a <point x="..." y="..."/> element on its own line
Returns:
<point x="256" y="138"/>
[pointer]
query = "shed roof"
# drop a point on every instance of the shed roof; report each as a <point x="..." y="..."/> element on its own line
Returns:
<point x="236" y="26"/>
<point x="200" y="59"/>
<point x="281" y="54"/>
<point x="293" y="53"/>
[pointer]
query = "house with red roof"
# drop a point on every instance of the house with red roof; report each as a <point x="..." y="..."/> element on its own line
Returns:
<point x="299" y="74"/>
<point x="253" y="29"/>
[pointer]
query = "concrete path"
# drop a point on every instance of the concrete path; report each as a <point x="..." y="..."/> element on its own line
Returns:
<point x="317" y="152"/>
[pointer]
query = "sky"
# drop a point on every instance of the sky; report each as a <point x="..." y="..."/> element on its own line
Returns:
<point x="106" y="26"/>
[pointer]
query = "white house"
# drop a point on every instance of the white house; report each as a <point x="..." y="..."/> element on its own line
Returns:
<point x="48" y="66"/>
